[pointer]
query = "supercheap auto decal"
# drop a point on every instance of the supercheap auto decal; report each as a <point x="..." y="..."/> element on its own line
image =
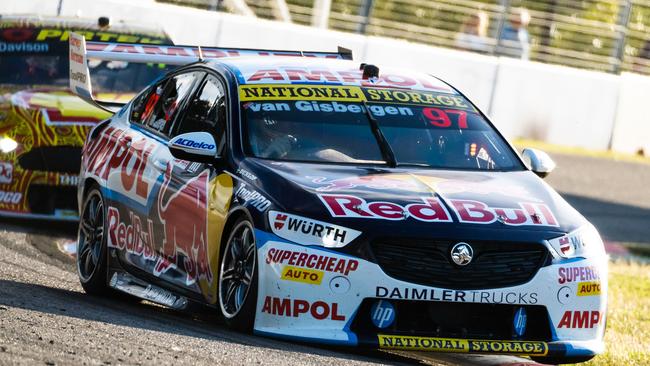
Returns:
<point x="31" y="121"/>
<point x="172" y="228"/>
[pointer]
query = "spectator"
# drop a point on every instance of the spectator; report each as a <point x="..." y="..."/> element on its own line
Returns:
<point x="473" y="34"/>
<point x="514" y="39"/>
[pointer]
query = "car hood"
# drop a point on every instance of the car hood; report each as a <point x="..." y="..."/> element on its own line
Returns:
<point x="452" y="201"/>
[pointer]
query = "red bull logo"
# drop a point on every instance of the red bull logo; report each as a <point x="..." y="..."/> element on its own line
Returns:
<point x="183" y="234"/>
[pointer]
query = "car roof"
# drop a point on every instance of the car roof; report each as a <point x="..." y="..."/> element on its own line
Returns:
<point x="325" y="71"/>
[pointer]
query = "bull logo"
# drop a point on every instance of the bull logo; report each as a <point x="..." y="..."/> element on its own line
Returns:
<point x="183" y="214"/>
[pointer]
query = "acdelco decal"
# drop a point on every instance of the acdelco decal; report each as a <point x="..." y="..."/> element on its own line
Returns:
<point x="310" y="232"/>
<point x="300" y="92"/>
<point x="588" y="288"/>
<point x="462" y="345"/>
<point x="573" y="274"/>
<point x="319" y="310"/>
<point x="311" y="276"/>
<point x="10" y="197"/>
<point x="467" y="211"/>
<point x="580" y="319"/>
<point x="312" y="261"/>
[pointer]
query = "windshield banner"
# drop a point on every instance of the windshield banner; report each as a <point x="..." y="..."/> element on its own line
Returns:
<point x="272" y="92"/>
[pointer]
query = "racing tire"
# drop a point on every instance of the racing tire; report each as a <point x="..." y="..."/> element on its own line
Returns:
<point x="560" y="360"/>
<point x="238" y="278"/>
<point x="92" y="263"/>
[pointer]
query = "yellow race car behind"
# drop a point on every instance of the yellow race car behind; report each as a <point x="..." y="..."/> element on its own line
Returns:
<point x="42" y="124"/>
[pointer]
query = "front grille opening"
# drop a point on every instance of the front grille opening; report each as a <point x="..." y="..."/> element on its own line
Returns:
<point x="59" y="159"/>
<point x="456" y="320"/>
<point x="45" y="200"/>
<point x="494" y="265"/>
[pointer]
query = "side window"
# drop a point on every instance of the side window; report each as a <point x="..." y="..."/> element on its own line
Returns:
<point x="139" y="110"/>
<point x="164" y="101"/>
<point x="207" y="112"/>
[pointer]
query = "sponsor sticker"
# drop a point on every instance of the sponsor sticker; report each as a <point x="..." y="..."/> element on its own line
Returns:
<point x="306" y="231"/>
<point x="462" y="345"/>
<point x="68" y="180"/>
<point x="249" y="93"/>
<point x="588" y="288"/>
<point x="519" y="322"/>
<point x="284" y="75"/>
<point x="253" y="198"/>
<point x="395" y="96"/>
<point x="10" y="197"/>
<point x="319" y="310"/>
<point x="432" y="210"/>
<point x="382" y="314"/>
<point x="580" y="319"/>
<point x="576" y="274"/>
<point x="193" y="144"/>
<point x="304" y="275"/>
<point x="312" y="261"/>
<point x="430" y="294"/>
<point x="6" y="172"/>
<point x="246" y="174"/>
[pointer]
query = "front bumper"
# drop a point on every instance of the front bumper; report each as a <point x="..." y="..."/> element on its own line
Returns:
<point x="314" y="294"/>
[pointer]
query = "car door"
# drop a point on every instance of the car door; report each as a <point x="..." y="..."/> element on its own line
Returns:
<point x="194" y="197"/>
<point x="134" y="225"/>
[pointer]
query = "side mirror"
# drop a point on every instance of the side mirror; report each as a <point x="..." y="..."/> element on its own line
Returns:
<point x="538" y="161"/>
<point x="194" y="146"/>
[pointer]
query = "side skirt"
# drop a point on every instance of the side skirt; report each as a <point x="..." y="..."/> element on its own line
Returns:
<point x="126" y="283"/>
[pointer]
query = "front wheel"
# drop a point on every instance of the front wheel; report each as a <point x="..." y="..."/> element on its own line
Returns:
<point x="91" y="246"/>
<point x="238" y="278"/>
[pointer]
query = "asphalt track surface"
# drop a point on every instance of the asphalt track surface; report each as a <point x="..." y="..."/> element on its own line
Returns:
<point x="45" y="318"/>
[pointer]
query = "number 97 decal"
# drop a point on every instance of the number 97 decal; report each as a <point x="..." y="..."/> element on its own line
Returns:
<point x="440" y="117"/>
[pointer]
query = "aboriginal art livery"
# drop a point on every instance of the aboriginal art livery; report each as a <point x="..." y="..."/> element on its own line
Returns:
<point x="318" y="199"/>
<point x="42" y="124"/>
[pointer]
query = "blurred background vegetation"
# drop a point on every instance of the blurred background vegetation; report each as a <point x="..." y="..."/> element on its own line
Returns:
<point x="606" y="35"/>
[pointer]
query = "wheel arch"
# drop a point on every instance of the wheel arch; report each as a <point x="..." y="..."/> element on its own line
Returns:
<point x="88" y="183"/>
<point x="235" y="215"/>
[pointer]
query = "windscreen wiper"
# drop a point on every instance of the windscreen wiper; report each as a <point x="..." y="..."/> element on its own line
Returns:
<point x="386" y="151"/>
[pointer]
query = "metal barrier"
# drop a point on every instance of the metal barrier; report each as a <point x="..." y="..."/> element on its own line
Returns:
<point x="605" y="35"/>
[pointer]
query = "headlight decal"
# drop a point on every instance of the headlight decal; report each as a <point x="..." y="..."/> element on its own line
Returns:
<point x="582" y="242"/>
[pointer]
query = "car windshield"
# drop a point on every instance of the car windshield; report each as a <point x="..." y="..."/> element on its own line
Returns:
<point x="37" y="55"/>
<point x="420" y="128"/>
<point x="52" y="69"/>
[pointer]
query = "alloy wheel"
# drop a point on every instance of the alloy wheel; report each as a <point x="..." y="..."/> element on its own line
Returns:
<point x="91" y="236"/>
<point x="237" y="270"/>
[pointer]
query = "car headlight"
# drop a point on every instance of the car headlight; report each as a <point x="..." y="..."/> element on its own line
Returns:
<point x="583" y="242"/>
<point x="7" y="144"/>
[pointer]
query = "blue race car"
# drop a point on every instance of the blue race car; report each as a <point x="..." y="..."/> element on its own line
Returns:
<point x="306" y="196"/>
